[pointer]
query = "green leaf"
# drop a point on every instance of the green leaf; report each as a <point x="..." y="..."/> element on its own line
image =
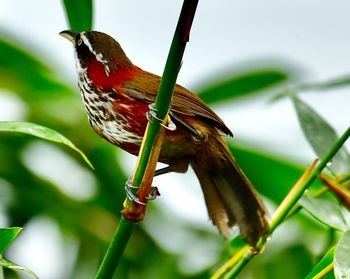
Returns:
<point x="292" y="261"/>
<point x="321" y="135"/>
<point x="79" y="14"/>
<point x="7" y="264"/>
<point x="25" y="74"/>
<point x="244" y="84"/>
<point x="330" y="84"/>
<point x="7" y="235"/>
<point x="40" y="132"/>
<point x="45" y="97"/>
<point x="322" y="264"/>
<point x="327" y="211"/>
<point x="271" y="176"/>
<point x="342" y="258"/>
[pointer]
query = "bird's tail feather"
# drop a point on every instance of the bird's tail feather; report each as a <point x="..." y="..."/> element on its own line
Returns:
<point x="229" y="195"/>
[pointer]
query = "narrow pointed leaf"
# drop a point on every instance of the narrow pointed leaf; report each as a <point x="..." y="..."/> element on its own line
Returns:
<point x="326" y="211"/>
<point x="7" y="235"/>
<point x="342" y="193"/>
<point x="7" y="264"/>
<point x="244" y="84"/>
<point x="40" y="132"/>
<point x="322" y="264"/>
<point x="342" y="257"/>
<point x="79" y="14"/>
<point x="321" y="135"/>
<point x="330" y="84"/>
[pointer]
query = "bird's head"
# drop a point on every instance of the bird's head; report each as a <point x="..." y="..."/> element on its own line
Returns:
<point x="92" y="45"/>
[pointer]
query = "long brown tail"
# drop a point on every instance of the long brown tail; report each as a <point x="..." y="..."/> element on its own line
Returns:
<point x="229" y="195"/>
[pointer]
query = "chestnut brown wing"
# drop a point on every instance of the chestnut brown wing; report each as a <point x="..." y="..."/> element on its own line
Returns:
<point x="184" y="102"/>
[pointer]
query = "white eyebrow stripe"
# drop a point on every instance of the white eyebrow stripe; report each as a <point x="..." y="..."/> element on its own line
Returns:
<point x="86" y="42"/>
<point x="98" y="56"/>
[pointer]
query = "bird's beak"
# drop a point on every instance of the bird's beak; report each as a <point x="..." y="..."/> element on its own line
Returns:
<point x="70" y="35"/>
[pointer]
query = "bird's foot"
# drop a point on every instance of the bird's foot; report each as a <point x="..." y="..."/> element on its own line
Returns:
<point x="152" y="114"/>
<point x="154" y="193"/>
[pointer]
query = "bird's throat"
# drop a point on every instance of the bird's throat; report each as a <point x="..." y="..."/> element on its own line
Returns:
<point x="104" y="78"/>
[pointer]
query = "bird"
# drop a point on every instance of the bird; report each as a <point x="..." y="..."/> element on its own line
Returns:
<point x="117" y="96"/>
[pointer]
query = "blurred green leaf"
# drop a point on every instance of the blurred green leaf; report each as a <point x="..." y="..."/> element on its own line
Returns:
<point x="321" y="135"/>
<point x="271" y="176"/>
<point x="322" y="264"/>
<point x="46" y="98"/>
<point x="7" y="235"/>
<point x="7" y="264"/>
<point x="326" y="211"/>
<point x="342" y="257"/>
<point x="243" y="84"/>
<point x="330" y="84"/>
<point x="40" y="132"/>
<point x="23" y="73"/>
<point x="79" y="14"/>
<point x="293" y="261"/>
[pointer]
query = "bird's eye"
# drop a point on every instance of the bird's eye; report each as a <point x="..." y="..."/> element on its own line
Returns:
<point x="80" y="41"/>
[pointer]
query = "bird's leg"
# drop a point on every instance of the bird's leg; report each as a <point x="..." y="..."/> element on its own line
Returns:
<point x="152" y="114"/>
<point x="180" y="166"/>
<point x="163" y="171"/>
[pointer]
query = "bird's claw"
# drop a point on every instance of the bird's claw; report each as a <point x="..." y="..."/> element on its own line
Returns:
<point x="130" y="195"/>
<point x="152" y="114"/>
<point x="154" y="193"/>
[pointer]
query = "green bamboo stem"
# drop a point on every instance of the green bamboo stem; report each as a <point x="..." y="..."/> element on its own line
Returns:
<point x="115" y="249"/>
<point x="167" y="84"/>
<point x="162" y="104"/>
<point x="309" y="180"/>
<point x="246" y="257"/>
<point x="282" y="212"/>
<point x="324" y="271"/>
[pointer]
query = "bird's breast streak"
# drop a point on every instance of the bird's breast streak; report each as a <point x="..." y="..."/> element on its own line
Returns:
<point x="110" y="114"/>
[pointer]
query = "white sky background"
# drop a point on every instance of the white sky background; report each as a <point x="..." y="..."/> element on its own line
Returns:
<point x="312" y="34"/>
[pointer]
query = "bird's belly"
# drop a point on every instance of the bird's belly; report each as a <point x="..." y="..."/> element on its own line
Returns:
<point x="114" y="126"/>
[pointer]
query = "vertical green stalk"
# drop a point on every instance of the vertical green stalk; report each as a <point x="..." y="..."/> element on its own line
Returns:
<point x="162" y="104"/>
<point x="282" y="212"/>
<point x="167" y="84"/>
<point x="115" y="249"/>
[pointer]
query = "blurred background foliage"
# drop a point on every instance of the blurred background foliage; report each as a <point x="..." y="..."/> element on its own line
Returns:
<point x="51" y="192"/>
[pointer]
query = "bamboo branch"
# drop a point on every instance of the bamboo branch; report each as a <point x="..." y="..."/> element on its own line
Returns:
<point x="149" y="149"/>
<point x="232" y="268"/>
<point x="324" y="271"/>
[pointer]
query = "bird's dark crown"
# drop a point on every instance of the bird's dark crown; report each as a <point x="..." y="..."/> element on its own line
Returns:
<point x="94" y="44"/>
